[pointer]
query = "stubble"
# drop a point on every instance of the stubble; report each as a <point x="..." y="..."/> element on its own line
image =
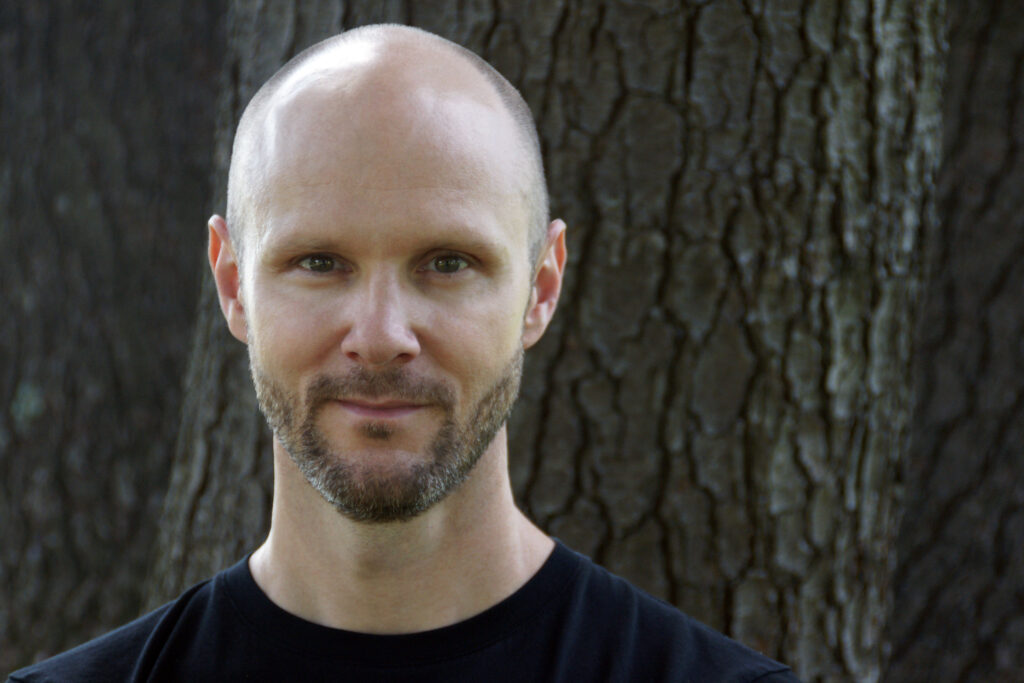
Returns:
<point x="355" y="488"/>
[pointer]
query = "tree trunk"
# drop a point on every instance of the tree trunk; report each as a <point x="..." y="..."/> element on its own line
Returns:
<point x="960" y="585"/>
<point x="719" y="409"/>
<point x="106" y="127"/>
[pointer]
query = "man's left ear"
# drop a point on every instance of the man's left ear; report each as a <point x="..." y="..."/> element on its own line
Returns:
<point x="547" y="284"/>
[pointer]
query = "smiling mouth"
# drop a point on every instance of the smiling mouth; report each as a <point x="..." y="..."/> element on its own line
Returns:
<point x="380" y="410"/>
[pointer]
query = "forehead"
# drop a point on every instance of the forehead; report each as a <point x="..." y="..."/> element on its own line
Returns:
<point x="353" y="140"/>
<point x="413" y="141"/>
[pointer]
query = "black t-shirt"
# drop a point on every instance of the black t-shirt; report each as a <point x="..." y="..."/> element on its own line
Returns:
<point x="573" y="621"/>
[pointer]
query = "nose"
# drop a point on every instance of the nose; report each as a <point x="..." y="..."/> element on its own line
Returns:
<point x="380" y="331"/>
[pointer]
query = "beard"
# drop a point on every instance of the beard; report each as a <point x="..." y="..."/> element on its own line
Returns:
<point x="353" y="487"/>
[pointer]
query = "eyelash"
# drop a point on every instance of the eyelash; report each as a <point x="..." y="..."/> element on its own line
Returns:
<point x="449" y="257"/>
<point x="306" y="263"/>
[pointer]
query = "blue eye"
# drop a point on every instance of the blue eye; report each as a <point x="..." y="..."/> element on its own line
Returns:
<point x="318" y="263"/>
<point x="447" y="264"/>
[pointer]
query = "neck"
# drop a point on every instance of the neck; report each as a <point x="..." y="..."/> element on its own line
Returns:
<point x="465" y="554"/>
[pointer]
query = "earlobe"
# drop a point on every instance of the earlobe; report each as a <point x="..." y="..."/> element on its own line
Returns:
<point x="226" y="276"/>
<point x="547" y="285"/>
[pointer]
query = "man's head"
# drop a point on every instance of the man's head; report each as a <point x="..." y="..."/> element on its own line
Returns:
<point x="391" y="261"/>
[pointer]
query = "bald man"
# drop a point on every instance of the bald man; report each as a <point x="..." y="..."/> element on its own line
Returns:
<point x="387" y="258"/>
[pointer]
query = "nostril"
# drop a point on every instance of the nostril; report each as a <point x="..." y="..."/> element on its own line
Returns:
<point x="380" y="350"/>
<point x="379" y="331"/>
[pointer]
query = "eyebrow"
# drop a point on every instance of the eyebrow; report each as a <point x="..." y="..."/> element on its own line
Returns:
<point x="314" y="243"/>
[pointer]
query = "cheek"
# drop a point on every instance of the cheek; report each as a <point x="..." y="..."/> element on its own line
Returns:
<point x="286" y="337"/>
<point x="475" y="342"/>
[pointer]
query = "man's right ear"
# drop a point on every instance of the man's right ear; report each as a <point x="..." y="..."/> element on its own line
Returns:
<point x="225" y="273"/>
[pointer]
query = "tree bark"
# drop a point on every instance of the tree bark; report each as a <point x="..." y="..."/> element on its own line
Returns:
<point x="719" y="410"/>
<point x="106" y="124"/>
<point x="959" y="589"/>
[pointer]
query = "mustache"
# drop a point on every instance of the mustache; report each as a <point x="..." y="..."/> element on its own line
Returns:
<point x="393" y="383"/>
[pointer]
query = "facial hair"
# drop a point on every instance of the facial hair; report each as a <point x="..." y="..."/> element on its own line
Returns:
<point x="354" y="490"/>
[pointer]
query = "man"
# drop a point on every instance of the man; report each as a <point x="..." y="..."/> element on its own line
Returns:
<point x="387" y="258"/>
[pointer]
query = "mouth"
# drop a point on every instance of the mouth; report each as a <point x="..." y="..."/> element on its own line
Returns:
<point x="380" y="410"/>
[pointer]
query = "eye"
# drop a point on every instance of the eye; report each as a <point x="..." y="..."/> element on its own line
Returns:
<point x="319" y="263"/>
<point x="447" y="264"/>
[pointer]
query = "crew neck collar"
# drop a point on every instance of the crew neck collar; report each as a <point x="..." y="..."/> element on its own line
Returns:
<point x="322" y="642"/>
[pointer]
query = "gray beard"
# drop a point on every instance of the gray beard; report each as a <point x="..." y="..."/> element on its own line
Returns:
<point x="452" y="454"/>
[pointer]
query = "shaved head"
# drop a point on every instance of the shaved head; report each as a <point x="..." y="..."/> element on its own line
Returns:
<point x="389" y="85"/>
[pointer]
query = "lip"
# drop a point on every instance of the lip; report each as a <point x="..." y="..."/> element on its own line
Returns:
<point x="380" y="410"/>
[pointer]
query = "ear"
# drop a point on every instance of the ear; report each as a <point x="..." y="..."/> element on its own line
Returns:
<point x="225" y="273"/>
<point x="547" y="285"/>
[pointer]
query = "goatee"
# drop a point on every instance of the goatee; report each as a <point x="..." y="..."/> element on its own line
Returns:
<point x="352" y="487"/>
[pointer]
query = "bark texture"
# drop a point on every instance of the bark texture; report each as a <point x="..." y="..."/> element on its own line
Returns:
<point x="960" y="586"/>
<point x="719" y="409"/>
<point x="719" y="412"/>
<point x="105" y="122"/>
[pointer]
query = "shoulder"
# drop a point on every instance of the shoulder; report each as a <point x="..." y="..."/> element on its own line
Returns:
<point x="113" y="656"/>
<point x="109" y="657"/>
<point x="658" y="642"/>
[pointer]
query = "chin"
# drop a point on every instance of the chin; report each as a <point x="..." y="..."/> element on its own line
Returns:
<point x="394" y="488"/>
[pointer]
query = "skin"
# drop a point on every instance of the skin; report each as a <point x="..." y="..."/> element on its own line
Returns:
<point x="394" y="237"/>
